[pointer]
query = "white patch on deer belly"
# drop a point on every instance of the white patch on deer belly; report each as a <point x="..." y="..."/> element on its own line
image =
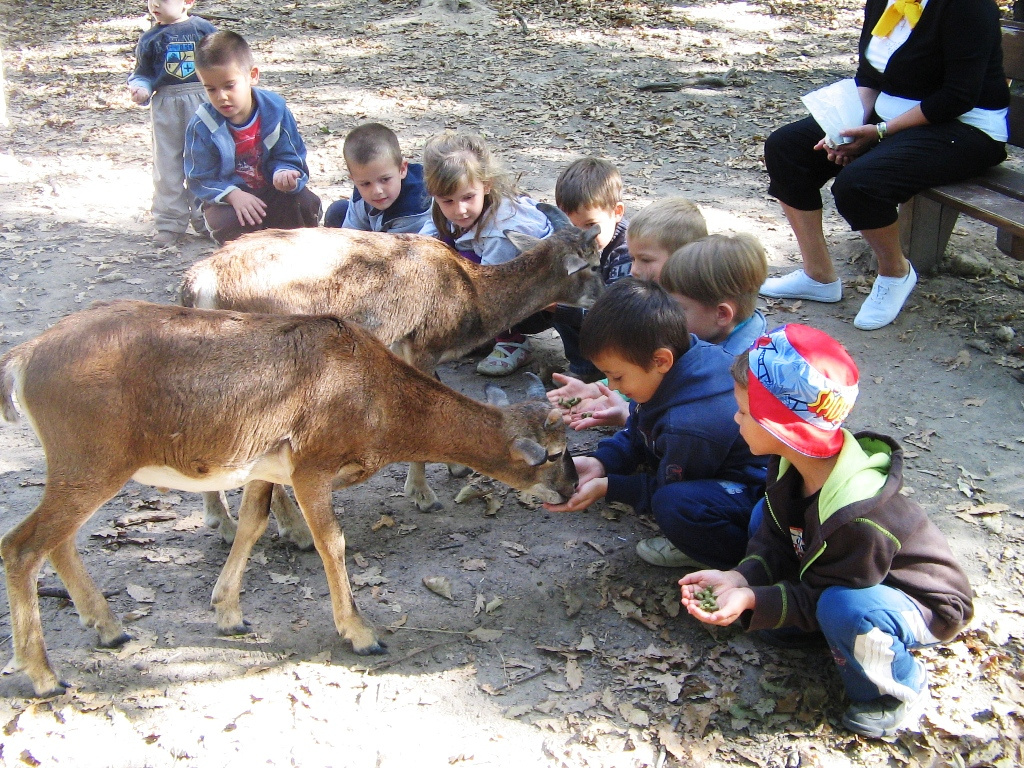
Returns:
<point x="274" y="468"/>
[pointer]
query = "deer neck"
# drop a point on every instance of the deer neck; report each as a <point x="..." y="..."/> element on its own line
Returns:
<point x="442" y="425"/>
<point x="510" y="292"/>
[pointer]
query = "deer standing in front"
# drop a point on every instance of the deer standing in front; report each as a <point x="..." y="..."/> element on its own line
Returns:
<point x="412" y="292"/>
<point x="201" y="401"/>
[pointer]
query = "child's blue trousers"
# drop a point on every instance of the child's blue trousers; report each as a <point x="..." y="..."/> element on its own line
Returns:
<point x="706" y="519"/>
<point x="871" y="632"/>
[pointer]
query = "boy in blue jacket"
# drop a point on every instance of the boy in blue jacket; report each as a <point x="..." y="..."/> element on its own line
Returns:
<point x="702" y="481"/>
<point x="388" y="194"/>
<point x="244" y="157"/>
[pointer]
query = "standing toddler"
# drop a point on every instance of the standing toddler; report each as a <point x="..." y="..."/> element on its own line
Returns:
<point x="165" y="77"/>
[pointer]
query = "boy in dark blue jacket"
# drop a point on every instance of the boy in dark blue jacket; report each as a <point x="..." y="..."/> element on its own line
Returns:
<point x="700" y="481"/>
<point x="388" y="193"/>
<point x="244" y="157"/>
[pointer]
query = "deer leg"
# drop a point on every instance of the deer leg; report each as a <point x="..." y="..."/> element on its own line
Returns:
<point x="253" y="515"/>
<point x="93" y="609"/>
<point x="291" y="524"/>
<point x="314" y="497"/>
<point x="417" y="489"/>
<point x="47" y="529"/>
<point x="217" y="516"/>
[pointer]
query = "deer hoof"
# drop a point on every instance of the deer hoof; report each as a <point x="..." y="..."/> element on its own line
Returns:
<point x="237" y="629"/>
<point x="59" y="688"/>
<point x="376" y="648"/>
<point x="436" y="506"/>
<point x="115" y="642"/>
<point x="459" y="470"/>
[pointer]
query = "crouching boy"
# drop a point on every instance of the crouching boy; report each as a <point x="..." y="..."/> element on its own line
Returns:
<point x="701" y="480"/>
<point x="838" y="551"/>
<point x="244" y="157"/>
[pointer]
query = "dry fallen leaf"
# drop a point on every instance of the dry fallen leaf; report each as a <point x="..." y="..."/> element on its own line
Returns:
<point x="474" y="564"/>
<point x="385" y="521"/>
<point x="439" y="585"/>
<point x="283" y="578"/>
<point x="369" y="578"/>
<point x="633" y="715"/>
<point x="359" y="559"/>
<point x="573" y="674"/>
<point x="485" y="635"/>
<point x="141" y="594"/>
<point x="494" y="605"/>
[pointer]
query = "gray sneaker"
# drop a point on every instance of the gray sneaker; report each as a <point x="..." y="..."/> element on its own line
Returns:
<point x="885" y="715"/>
<point x="660" y="551"/>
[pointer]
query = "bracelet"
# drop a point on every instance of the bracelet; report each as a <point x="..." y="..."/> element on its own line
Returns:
<point x="883" y="130"/>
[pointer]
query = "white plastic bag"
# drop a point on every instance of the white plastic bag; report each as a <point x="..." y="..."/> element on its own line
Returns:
<point x="836" y="107"/>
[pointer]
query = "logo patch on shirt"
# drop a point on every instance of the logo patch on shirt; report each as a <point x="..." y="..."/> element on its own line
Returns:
<point x="180" y="61"/>
<point x="797" y="536"/>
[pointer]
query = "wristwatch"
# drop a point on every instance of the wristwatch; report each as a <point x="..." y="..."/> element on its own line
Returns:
<point x="883" y="130"/>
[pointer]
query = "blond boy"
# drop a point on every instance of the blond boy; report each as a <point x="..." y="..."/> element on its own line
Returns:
<point x="658" y="231"/>
<point x="388" y="193"/>
<point x="716" y="280"/>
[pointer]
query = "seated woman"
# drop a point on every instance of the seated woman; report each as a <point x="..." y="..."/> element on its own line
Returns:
<point x="935" y="101"/>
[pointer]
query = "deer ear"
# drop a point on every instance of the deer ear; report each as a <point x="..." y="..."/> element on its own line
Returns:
<point x="521" y="241"/>
<point x="495" y="395"/>
<point x="529" y="451"/>
<point x="574" y="264"/>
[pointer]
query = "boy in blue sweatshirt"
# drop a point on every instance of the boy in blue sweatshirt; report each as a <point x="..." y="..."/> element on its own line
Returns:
<point x="388" y="194"/>
<point x="165" y="78"/>
<point x="244" y="157"/>
<point x="702" y="481"/>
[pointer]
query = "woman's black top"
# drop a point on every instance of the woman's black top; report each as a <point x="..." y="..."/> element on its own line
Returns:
<point x="952" y="62"/>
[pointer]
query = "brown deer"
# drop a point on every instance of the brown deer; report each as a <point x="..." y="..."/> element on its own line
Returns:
<point x="202" y="400"/>
<point x="412" y="292"/>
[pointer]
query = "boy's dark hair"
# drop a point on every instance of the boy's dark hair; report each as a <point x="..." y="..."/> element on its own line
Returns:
<point x="221" y="48"/>
<point x="590" y="182"/>
<point x="369" y="142"/>
<point x="634" y="318"/>
<point x="740" y="369"/>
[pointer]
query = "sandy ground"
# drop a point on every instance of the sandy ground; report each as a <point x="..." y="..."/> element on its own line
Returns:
<point x="586" y="661"/>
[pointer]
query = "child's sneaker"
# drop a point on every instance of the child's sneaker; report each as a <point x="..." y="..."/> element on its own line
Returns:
<point x="165" y="238"/>
<point x="660" y="551"/>
<point x="506" y="358"/>
<point x="884" y="716"/>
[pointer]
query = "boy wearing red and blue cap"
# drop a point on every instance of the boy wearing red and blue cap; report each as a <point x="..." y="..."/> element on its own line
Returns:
<point x="839" y="553"/>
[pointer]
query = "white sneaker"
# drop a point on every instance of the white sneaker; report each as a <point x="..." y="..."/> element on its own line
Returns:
<point x="797" y="285"/>
<point x="885" y="301"/>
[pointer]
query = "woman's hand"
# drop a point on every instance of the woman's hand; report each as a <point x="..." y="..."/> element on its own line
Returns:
<point x="864" y="138"/>
<point x="731" y="593"/>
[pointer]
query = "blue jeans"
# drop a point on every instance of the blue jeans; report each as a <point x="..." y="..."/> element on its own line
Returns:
<point x="566" y="322"/>
<point x="871" y="632"/>
<point x="335" y="215"/>
<point x="706" y="519"/>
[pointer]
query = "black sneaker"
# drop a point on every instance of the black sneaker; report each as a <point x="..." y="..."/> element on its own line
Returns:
<point x="885" y="715"/>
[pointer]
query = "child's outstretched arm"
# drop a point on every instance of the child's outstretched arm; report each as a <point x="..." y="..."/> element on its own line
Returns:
<point x="731" y="596"/>
<point x="588" y="405"/>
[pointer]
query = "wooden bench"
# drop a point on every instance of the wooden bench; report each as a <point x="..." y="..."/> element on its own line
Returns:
<point x="995" y="197"/>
